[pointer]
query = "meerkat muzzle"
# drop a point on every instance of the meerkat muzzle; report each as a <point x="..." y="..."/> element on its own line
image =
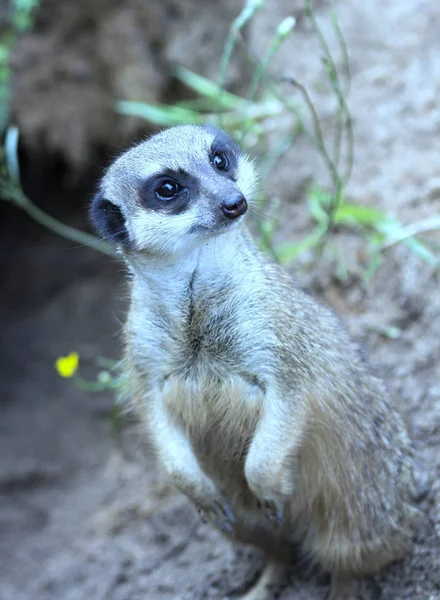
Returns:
<point x="235" y="207"/>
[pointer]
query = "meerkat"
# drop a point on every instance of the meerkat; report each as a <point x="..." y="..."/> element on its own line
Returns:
<point x="263" y="410"/>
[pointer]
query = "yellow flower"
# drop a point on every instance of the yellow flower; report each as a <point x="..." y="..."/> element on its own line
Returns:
<point x="67" y="366"/>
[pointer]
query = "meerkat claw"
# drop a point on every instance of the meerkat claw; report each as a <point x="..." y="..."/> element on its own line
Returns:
<point x="226" y="519"/>
<point x="220" y="515"/>
<point x="224" y="526"/>
<point x="274" y="512"/>
<point x="226" y="509"/>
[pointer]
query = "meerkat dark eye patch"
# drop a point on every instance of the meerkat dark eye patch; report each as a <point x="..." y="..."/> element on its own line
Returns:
<point x="108" y="220"/>
<point x="169" y="192"/>
<point x="224" y="152"/>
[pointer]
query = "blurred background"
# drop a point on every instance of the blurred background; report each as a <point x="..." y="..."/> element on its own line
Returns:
<point x="339" y="102"/>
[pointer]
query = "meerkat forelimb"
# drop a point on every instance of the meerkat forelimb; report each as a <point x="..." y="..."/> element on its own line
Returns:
<point x="261" y="407"/>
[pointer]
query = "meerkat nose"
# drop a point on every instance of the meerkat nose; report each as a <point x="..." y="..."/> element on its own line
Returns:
<point x="234" y="207"/>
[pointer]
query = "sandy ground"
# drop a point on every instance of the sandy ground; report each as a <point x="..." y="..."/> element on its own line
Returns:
<point x="85" y="513"/>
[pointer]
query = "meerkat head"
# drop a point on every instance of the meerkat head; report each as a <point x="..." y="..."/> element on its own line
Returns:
<point x="174" y="190"/>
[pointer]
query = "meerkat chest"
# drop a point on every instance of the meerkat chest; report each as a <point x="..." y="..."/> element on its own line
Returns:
<point x="207" y="366"/>
<point x="208" y="354"/>
<point x="216" y="330"/>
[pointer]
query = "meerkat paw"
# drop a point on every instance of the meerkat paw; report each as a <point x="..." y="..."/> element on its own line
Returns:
<point x="272" y="504"/>
<point x="272" y="490"/>
<point x="220" y="514"/>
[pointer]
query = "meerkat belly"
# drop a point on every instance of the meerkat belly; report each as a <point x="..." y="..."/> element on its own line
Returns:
<point x="219" y="416"/>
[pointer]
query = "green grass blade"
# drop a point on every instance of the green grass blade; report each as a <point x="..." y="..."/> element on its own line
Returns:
<point x="283" y="31"/>
<point x="355" y="214"/>
<point x="248" y="11"/>
<point x="391" y="229"/>
<point x="403" y="232"/>
<point x="11" y="152"/>
<point x="319" y="201"/>
<point x="208" y="89"/>
<point x="159" y="114"/>
<point x="250" y="8"/>
<point x="422" y="251"/>
<point x="288" y="252"/>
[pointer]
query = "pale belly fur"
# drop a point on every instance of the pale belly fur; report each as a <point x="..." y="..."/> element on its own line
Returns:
<point x="219" y="417"/>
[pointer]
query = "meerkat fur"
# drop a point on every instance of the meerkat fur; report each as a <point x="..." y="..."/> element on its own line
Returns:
<point x="263" y="410"/>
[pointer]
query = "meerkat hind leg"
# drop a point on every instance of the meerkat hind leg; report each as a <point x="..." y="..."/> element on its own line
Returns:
<point x="269" y="584"/>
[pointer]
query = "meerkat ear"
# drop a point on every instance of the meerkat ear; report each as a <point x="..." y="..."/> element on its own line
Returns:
<point x="108" y="220"/>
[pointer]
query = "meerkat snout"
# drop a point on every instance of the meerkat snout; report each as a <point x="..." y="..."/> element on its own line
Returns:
<point x="234" y="207"/>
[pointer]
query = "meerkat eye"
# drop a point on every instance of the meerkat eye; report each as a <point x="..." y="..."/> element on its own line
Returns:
<point x="220" y="161"/>
<point x="168" y="190"/>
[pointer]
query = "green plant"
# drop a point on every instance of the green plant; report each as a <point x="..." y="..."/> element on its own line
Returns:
<point x="266" y="107"/>
<point x="110" y="377"/>
<point x="250" y="119"/>
<point x="11" y="190"/>
<point x="380" y="230"/>
<point x="18" y="20"/>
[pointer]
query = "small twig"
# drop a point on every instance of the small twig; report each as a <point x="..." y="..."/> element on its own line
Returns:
<point x="344" y="52"/>
<point x="317" y="129"/>
<point x="322" y="41"/>
<point x="250" y="8"/>
<point x="283" y="31"/>
<point x="344" y="117"/>
<point x="281" y="148"/>
<point x="272" y="86"/>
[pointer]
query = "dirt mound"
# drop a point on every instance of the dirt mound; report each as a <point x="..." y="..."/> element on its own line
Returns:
<point x="83" y="56"/>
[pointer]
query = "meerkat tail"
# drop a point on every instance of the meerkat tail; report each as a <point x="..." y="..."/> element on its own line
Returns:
<point x="270" y="582"/>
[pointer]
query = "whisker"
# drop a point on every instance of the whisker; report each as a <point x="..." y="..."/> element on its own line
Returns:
<point x="254" y="190"/>
<point x="238" y="249"/>
<point x="271" y="202"/>
<point x="264" y="216"/>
